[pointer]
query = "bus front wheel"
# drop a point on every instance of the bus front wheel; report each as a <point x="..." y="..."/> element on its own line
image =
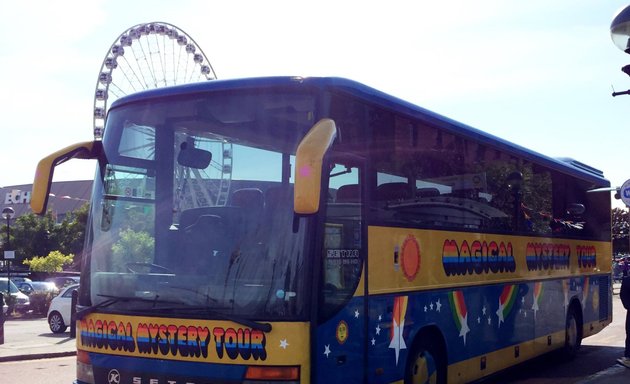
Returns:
<point x="426" y="364"/>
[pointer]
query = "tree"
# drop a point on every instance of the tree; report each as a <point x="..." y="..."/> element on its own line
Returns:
<point x="33" y="235"/>
<point x="30" y="235"/>
<point x="54" y="262"/>
<point x="69" y="235"/>
<point x="620" y="229"/>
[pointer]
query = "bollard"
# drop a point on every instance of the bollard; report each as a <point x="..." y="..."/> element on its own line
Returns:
<point x="1" y="318"/>
<point x="73" y="311"/>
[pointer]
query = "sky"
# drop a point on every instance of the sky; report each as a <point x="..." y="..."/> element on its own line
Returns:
<point x="538" y="73"/>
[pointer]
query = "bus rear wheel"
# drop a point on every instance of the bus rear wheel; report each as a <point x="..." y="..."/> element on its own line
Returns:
<point x="425" y="366"/>
<point x="573" y="332"/>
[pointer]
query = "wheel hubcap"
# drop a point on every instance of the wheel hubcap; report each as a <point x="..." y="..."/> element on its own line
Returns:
<point x="55" y="323"/>
<point x="424" y="370"/>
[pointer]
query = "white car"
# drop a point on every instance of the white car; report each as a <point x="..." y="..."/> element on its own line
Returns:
<point x="59" y="310"/>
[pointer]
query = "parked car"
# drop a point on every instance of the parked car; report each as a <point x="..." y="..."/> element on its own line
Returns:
<point x="19" y="279"/>
<point x="40" y="294"/>
<point x="59" y="310"/>
<point x="37" y="286"/>
<point x="62" y="281"/>
<point x="19" y="301"/>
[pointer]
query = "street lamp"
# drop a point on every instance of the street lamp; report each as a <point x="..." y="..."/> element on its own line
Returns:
<point x="620" y="33"/>
<point x="620" y="29"/>
<point x="7" y="214"/>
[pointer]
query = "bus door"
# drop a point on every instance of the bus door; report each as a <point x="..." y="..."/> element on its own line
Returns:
<point x="341" y="330"/>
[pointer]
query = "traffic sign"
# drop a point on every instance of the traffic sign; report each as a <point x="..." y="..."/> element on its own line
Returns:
<point x="624" y="193"/>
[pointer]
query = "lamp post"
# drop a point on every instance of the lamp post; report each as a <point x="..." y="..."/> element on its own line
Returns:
<point x="7" y="214"/>
<point x="620" y="33"/>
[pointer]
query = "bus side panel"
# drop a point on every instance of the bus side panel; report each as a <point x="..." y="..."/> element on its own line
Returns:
<point x="340" y="343"/>
<point x="494" y="300"/>
<point x="472" y="321"/>
<point x="485" y="328"/>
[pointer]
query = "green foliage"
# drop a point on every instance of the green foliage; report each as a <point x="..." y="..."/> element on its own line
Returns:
<point x="70" y="233"/>
<point x="33" y="235"/>
<point x="54" y="262"/>
<point x="30" y="235"/>
<point x="133" y="247"/>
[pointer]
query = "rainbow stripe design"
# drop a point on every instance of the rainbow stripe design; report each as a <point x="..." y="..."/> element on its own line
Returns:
<point x="586" y="290"/>
<point x="506" y="302"/>
<point x="538" y="291"/>
<point x="398" y="324"/>
<point x="460" y="313"/>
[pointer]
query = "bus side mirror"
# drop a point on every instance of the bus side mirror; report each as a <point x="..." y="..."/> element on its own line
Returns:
<point x="46" y="168"/>
<point x="308" y="166"/>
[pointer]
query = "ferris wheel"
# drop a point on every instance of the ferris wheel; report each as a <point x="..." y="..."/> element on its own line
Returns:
<point x="154" y="55"/>
<point x="147" y="56"/>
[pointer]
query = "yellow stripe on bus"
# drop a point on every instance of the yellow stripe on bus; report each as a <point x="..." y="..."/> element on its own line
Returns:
<point x="402" y="260"/>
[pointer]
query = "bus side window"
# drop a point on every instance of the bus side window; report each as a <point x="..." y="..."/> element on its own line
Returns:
<point x="342" y="258"/>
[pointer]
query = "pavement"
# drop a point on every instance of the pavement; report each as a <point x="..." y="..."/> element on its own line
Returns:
<point x="616" y="374"/>
<point x="31" y="339"/>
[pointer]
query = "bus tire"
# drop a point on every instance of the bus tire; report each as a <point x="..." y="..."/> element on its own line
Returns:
<point x="426" y="363"/>
<point x="573" y="331"/>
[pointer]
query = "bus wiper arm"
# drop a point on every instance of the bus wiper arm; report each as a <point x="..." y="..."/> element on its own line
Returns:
<point x="87" y="310"/>
<point x="118" y="299"/>
<point x="265" y="327"/>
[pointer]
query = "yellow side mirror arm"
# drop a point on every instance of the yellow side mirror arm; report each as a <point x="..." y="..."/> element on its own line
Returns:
<point x="308" y="166"/>
<point x="46" y="168"/>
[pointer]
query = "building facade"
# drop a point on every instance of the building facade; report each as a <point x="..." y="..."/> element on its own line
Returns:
<point x="64" y="197"/>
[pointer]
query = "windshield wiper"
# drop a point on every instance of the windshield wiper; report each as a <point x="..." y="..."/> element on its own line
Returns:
<point x="119" y="299"/>
<point x="265" y="327"/>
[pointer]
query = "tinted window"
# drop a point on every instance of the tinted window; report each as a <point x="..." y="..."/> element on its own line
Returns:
<point x="428" y="177"/>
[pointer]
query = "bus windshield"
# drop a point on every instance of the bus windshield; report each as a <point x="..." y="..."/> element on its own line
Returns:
<point x="193" y="208"/>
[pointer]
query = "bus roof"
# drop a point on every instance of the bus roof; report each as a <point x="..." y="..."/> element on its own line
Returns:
<point x="371" y="95"/>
